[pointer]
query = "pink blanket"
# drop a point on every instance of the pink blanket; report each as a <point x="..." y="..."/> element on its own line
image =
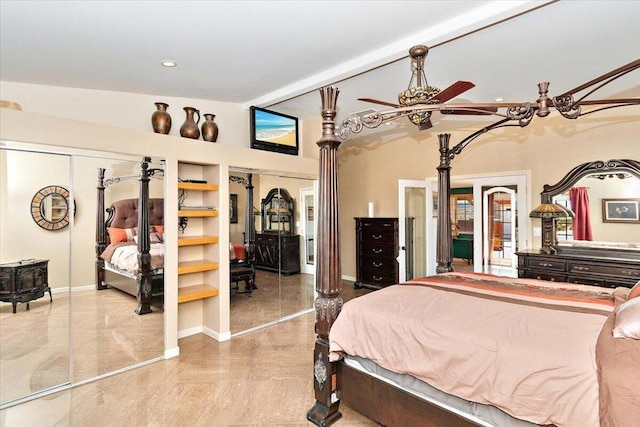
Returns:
<point x="524" y="346"/>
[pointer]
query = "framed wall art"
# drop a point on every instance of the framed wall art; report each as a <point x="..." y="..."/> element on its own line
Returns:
<point x="233" y="208"/>
<point x="620" y="210"/>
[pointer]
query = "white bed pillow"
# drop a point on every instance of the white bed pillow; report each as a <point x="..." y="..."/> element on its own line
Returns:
<point x="627" y="324"/>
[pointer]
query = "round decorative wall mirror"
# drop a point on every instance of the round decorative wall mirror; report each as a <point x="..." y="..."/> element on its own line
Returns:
<point x="50" y="207"/>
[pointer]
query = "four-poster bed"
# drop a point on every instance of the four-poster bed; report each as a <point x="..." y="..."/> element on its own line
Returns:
<point x="336" y="380"/>
<point x="126" y="258"/>
<point x="242" y="268"/>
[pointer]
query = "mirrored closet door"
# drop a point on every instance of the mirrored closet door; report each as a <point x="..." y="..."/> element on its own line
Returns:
<point x="48" y="229"/>
<point x="275" y="249"/>
<point x="35" y="273"/>
<point x="106" y="333"/>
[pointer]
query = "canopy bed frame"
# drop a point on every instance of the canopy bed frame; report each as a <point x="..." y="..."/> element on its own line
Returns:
<point x="334" y="380"/>
<point x="142" y="213"/>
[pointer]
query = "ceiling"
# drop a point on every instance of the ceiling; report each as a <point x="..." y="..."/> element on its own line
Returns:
<point x="276" y="54"/>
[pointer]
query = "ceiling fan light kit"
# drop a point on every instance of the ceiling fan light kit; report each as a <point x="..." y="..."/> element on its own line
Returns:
<point x="420" y="101"/>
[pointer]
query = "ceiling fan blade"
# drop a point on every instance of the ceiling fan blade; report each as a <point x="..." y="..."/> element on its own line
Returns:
<point x="477" y="111"/>
<point x="377" y="101"/>
<point x="452" y="91"/>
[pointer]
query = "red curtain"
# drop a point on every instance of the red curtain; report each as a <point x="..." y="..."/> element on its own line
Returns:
<point x="579" y="198"/>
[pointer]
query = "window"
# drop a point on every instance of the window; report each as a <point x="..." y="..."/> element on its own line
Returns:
<point x="462" y="212"/>
<point x="564" y="226"/>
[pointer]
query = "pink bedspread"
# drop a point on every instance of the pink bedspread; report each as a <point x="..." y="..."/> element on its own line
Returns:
<point x="524" y="346"/>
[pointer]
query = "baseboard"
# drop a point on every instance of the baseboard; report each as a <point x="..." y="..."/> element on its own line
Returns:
<point x="171" y="352"/>
<point x="349" y="278"/>
<point x="226" y="336"/>
<point x="188" y="332"/>
<point x="73" y="289"/>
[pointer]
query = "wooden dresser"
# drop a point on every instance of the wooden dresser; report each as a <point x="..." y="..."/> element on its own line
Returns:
<point x="376" y="252"/>
<point x="600" y="268"/>
<point x="278" y="252"/>
<point x="24" y="281"/>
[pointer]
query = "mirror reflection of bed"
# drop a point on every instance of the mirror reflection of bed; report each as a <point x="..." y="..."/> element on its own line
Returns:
<point x="280" y="289"/>
<point x="83" y="333"/>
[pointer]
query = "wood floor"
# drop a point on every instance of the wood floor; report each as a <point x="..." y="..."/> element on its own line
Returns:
<point x="260" y="378"/>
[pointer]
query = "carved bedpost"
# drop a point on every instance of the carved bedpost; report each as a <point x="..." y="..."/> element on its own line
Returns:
<point x="328" y="272"/>
<point x="101" y="232"/>
<point x="144" y="241"/>
<point x="444" y="249"/>
<point x="249" y="219"/>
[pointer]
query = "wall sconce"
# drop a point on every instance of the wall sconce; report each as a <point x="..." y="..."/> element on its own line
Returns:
<point x="548" y="212"/>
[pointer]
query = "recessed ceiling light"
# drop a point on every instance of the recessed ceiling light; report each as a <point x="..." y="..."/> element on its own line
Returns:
<point x="168" y="63"/>
<point x="499" y="99"/>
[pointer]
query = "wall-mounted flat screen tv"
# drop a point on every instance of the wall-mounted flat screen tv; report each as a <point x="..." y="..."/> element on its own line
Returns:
<point x="273" y="131"/>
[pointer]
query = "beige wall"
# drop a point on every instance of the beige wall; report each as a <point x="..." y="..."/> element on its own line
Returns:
<point x="371" y="164"/>
<point x="131" y="139"/>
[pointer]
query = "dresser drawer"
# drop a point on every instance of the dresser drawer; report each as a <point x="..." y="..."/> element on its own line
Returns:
<point x="376" y="264"/>
<point x="261" y="238"/>
<point x="378" y="249"/>
<point x="378" y="224"/>
<point x="605" y="269"/>
<point x="552" y="277"/>
<point x="378" y="278"/>
<point x="546" y="264"/>
<point x="377" y="235"/>
<point x="589" y="280"/>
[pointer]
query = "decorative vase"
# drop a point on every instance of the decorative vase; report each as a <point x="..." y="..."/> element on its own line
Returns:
<point x="160" y="119"/>
<point x="209" y="128"/>
<point x="189" y="128"/>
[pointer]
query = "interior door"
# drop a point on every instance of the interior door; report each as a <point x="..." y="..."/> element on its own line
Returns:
<point x="519" y="216"/>
<point x="414" y="213"/>
<point x="499" y="244"/>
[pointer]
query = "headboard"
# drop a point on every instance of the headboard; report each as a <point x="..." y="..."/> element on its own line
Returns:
<point x="124" y="213"/>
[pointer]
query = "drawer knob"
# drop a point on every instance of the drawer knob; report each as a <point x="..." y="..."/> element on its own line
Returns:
<point x="545" y="264"/>
<point x="630" y="273"/>
<point x="377" y="236"/>
<point x="376" y="251"/>
<point x="582" y="268"/>
<point x="377" y="278"/>
<point x="376" y="264"/>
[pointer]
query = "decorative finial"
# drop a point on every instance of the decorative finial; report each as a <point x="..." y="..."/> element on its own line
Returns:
<point x="329" y="95"/>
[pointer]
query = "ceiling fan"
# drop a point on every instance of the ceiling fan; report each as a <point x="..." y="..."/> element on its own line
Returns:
<point x="419" y="102"/>
<point x="422" y="93"/>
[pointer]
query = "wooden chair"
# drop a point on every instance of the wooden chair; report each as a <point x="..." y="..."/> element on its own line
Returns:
<point x="241" y="270"/>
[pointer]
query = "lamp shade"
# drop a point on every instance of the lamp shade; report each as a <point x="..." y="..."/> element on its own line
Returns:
<point x="549" y="210"/>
